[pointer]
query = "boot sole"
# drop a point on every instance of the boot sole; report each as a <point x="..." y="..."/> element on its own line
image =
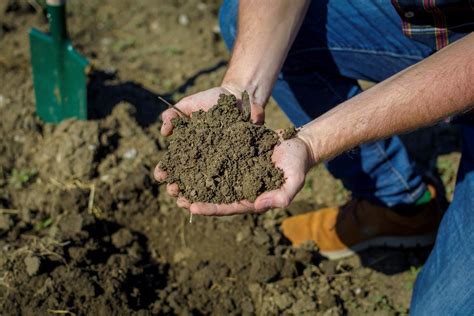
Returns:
<point x="385" y="241"/>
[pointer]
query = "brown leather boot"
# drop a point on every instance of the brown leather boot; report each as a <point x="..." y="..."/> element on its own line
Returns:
<point x="341" y="231"/>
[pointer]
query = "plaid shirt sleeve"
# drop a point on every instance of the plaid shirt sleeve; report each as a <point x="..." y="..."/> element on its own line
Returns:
<point x="436" y="23"/>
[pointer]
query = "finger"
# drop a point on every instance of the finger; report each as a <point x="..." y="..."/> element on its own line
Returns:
<point x="183" y="202"/>
<point x="160" y="175"/>
<point x="257" y="114"/>
<point x="222" y="209"/>
<point x="272" y="199"/>
<point x="172" y="189"/>
<point x="167" y="126"/>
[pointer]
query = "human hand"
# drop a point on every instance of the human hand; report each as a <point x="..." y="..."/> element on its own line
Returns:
<point x="291" y="156"/>
<point x="204" y="101"/>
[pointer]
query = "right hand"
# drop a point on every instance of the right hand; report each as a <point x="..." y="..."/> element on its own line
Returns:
<point x="204" y="101"/>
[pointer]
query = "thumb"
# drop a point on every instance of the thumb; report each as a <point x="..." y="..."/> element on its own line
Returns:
<point x="281" y="197"/>
<point x="257" y="114"/>
<point x="272" y="199"/>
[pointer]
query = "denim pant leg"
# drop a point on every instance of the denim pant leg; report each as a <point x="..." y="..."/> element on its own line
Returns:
<point x="445" y="285"/>
<point x="341" y="41"/>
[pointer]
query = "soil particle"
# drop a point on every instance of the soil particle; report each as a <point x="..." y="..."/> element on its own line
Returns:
<point x="247" y="306"/>
<point x="283" y="301"/>
<point x="326" y="299"/>
<point x="266" y="269"/>
<point x="219" y="156"/>
<point x="288" y="133"/>
<point x="304" y="305"/>
<point x="243" y="234"/>
<point x="5" y="222"/>
<point x="32" y="264"/>
<point x="182" y="254"/>
<point x="328" y="267"/>
<point x="122" y="238"/>
<point x="260" y="236"/>
<point x="71" y="224"/>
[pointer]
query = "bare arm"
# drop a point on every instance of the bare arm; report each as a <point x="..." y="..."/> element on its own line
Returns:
<point x="266" y="30"/>
<point x="439" y="86"/>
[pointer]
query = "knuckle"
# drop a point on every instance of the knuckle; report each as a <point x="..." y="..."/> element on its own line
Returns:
<point x="166" y="115"/>
<point x="182" y="103"/>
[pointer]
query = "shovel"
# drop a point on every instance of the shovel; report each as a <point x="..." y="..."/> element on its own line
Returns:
<point x="59" y="71"/>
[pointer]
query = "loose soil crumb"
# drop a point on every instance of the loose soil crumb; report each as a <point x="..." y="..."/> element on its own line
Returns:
<point x="219" y="156"/>
<point x="288" y="133"/>
<point x="32" y="264"/>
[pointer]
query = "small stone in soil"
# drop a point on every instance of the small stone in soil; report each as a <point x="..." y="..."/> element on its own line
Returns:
<point x="288" y="133"/>
<point x="32" y="264"/>
<point x="122" y="238"/>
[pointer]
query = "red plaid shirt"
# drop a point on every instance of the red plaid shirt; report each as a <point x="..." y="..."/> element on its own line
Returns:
<point x="436" y="23"/>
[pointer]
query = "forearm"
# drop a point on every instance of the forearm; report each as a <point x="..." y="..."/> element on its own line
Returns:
<point x="421" y="95"/>
<point x="266" y="30"/>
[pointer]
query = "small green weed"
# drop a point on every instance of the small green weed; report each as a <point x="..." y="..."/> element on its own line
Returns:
<point x="20" y="178"/>
<point x="44" y="224"/>
<point x="412" y="277"/>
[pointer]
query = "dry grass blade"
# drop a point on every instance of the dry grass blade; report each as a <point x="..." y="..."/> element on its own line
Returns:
<point x="91" y="198"/>
<point x="77" y="184"/>
<point x="61" y="312"/>
<point x="8" y="211"/>
<point x="171" y="105"/>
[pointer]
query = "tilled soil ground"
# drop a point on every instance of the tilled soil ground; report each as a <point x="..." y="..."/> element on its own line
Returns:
<point x="85" y="230"/>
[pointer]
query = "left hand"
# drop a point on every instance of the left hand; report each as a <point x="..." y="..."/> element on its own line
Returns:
<point x="291" y="156"/>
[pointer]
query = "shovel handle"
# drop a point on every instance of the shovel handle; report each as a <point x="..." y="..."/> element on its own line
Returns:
<point x="55" y="2"/>
<point x="57" y="20"/>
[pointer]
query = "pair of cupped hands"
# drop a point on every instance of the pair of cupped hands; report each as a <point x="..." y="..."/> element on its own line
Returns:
<point x="291" y="156"/>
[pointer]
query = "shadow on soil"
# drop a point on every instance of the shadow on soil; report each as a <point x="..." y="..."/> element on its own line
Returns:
<point x="105" y="91"/>
<point x="143" y="278"/>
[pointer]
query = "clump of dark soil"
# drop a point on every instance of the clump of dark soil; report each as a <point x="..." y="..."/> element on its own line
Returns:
<point x="219" y="156"/>
<point x="289" y="133"/>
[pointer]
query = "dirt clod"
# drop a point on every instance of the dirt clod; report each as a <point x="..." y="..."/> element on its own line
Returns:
<point x="288" y="133"/>
<point x="122" y="238"/>
<point x="219" y="156"/>
<point x="71" y="224"/>
<point x="32" y="264"/>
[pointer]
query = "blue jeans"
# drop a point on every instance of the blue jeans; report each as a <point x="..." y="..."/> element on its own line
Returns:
<point x="341" y="41"/>
<point x="445" y="285"/>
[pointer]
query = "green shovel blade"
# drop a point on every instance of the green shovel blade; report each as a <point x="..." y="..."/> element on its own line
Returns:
<point x="59" y="72"/>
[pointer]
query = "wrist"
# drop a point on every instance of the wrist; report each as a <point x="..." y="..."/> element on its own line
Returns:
<point x="259" y="90"/>
<point x="311" y="145"/>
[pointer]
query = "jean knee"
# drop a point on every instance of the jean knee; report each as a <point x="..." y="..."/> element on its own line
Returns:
<point x="228" y="15"/>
